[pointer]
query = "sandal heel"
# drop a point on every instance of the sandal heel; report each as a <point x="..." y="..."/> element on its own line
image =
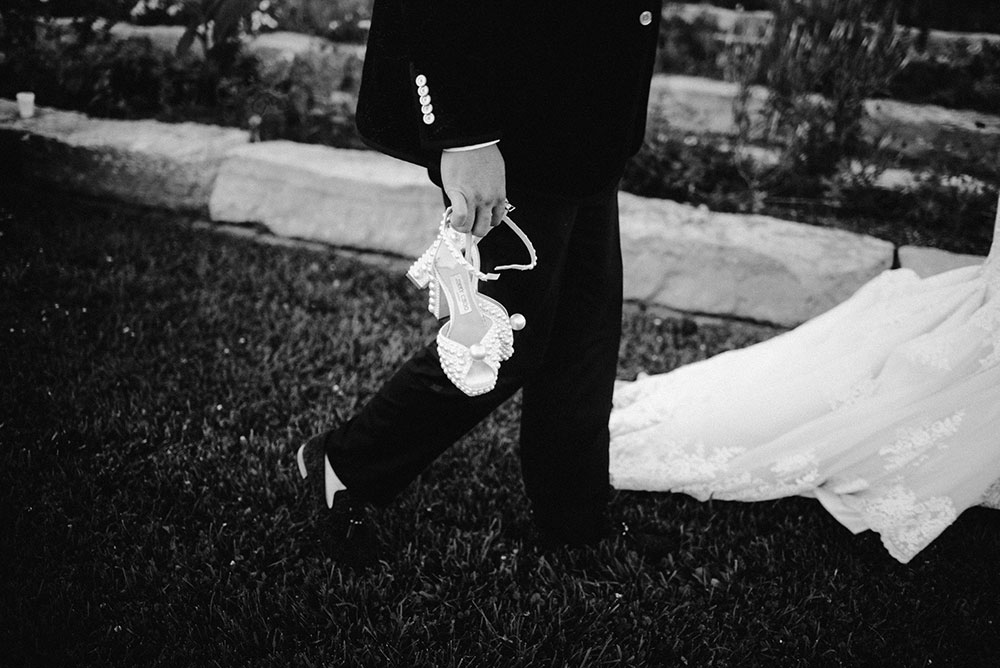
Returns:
<point x="436" y="303"/>
<point x="419" y="273"/>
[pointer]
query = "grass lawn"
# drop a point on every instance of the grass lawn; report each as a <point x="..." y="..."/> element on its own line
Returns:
<point x="154" y="379"/>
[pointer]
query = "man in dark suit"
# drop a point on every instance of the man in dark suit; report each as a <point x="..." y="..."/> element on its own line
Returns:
<point x="539" y="103"/>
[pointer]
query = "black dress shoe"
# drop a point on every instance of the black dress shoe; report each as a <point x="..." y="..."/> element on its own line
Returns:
<point x="348" y="535"/>
<point x="346" y="532"/>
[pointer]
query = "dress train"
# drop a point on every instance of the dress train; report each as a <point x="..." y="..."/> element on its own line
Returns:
<point x="885" y="408"/>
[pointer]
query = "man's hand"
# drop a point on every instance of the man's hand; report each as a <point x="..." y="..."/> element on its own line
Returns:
<point x="476" y="184"/>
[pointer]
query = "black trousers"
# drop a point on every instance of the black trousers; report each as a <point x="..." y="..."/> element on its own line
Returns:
<point x="565" y="361"/>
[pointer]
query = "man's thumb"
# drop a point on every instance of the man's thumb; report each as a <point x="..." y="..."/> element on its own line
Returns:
<point x="459" y="211"/>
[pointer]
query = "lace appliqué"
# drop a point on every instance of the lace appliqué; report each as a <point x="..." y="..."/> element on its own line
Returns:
<point x="802" y="466"/>
<point x="794" y="475"/>
<point x="860" y="390"/>
<point x="906" y="524"/>
<point x="912" y="443"/>
<point x="694" y="462"/>
<point x="931" y="352"/>
<point x="676" y="464"/>
<point x="791" y="475"/>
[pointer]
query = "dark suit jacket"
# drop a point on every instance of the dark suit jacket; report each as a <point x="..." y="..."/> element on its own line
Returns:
<point x="563" y="84"/>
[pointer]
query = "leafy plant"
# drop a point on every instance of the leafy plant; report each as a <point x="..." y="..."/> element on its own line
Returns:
<point x="820" y="61"/>
<point x="339" y="21"/>
<point x="215" y="23"/>
<point x="967" y="77"/>
<point x="689" y="48"/>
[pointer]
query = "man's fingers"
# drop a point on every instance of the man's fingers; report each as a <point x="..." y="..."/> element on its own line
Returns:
<point x="499" y="211"/>
<point x="484" y="220"/>
<point x="460" y="219"/>
<point x="474" y="184"/>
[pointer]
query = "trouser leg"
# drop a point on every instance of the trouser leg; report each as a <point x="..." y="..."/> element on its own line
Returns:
<point x="566" y="404"/>
<point x="418" y="413"/>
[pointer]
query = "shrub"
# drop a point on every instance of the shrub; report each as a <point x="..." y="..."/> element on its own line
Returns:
<point x="958" y="15"/>
<point x="689" y="168"/>
<point x="820" y="62"/>
<point x="338" y="20"/>
<point x="127" y="79"/>
<point x="966" y="78"/>
<point x="312" y="100"/>
<point x="309" y="100"/>
<point x="952" y="73"/>
<point x="690" y="48"/>
<point x="67" y="66"/>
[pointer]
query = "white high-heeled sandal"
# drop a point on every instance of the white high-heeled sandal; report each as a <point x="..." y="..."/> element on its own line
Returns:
<point x="470" y="345"/>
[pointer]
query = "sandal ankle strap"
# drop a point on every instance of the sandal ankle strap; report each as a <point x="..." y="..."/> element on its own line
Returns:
<point x="471" y="241"/>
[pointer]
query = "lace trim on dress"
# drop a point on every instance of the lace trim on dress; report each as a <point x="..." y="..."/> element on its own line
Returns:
<point x="913" y="443"/>
<point x="793" y="475"/>
<point x="687" y="460"/>
<point x="931" y="352"/>
<point x="905" y="524"/>
<point x="863" y="388"/>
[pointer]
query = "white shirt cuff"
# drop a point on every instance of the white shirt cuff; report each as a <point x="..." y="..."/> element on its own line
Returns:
<point x="471" y="148"/>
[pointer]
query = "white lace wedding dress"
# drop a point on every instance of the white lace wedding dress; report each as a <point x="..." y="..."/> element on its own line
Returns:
<point x="885" y="408"/>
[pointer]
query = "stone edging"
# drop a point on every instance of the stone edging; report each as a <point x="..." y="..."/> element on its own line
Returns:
<point x="676" y="255"/>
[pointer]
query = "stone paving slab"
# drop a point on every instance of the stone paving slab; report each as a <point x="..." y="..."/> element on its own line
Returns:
<point x="359" y="199"/>
<point x="753" y="267"/>
<point x="162" y="38"/>
<point x="142" y="162"/>
<point x="676" y="255"/>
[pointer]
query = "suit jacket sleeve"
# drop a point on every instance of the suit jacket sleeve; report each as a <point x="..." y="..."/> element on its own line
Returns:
<point x="451" y="45"/>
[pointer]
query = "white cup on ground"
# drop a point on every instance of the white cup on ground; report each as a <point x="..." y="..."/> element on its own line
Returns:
<point x="26" y="104"/>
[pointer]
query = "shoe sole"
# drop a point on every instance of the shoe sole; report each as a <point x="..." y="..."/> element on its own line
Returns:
<point x="301" y="459"/>
<point x="315" y="485"/>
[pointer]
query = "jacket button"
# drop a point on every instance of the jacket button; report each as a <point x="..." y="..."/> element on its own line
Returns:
<point x="646" y="18"/>
<point x="425" y="99"/>
<point x="427" y="108"/>
<point x="428" y="119"/>
<point x="422" y="80"/>
<point x="423" y="90"/>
